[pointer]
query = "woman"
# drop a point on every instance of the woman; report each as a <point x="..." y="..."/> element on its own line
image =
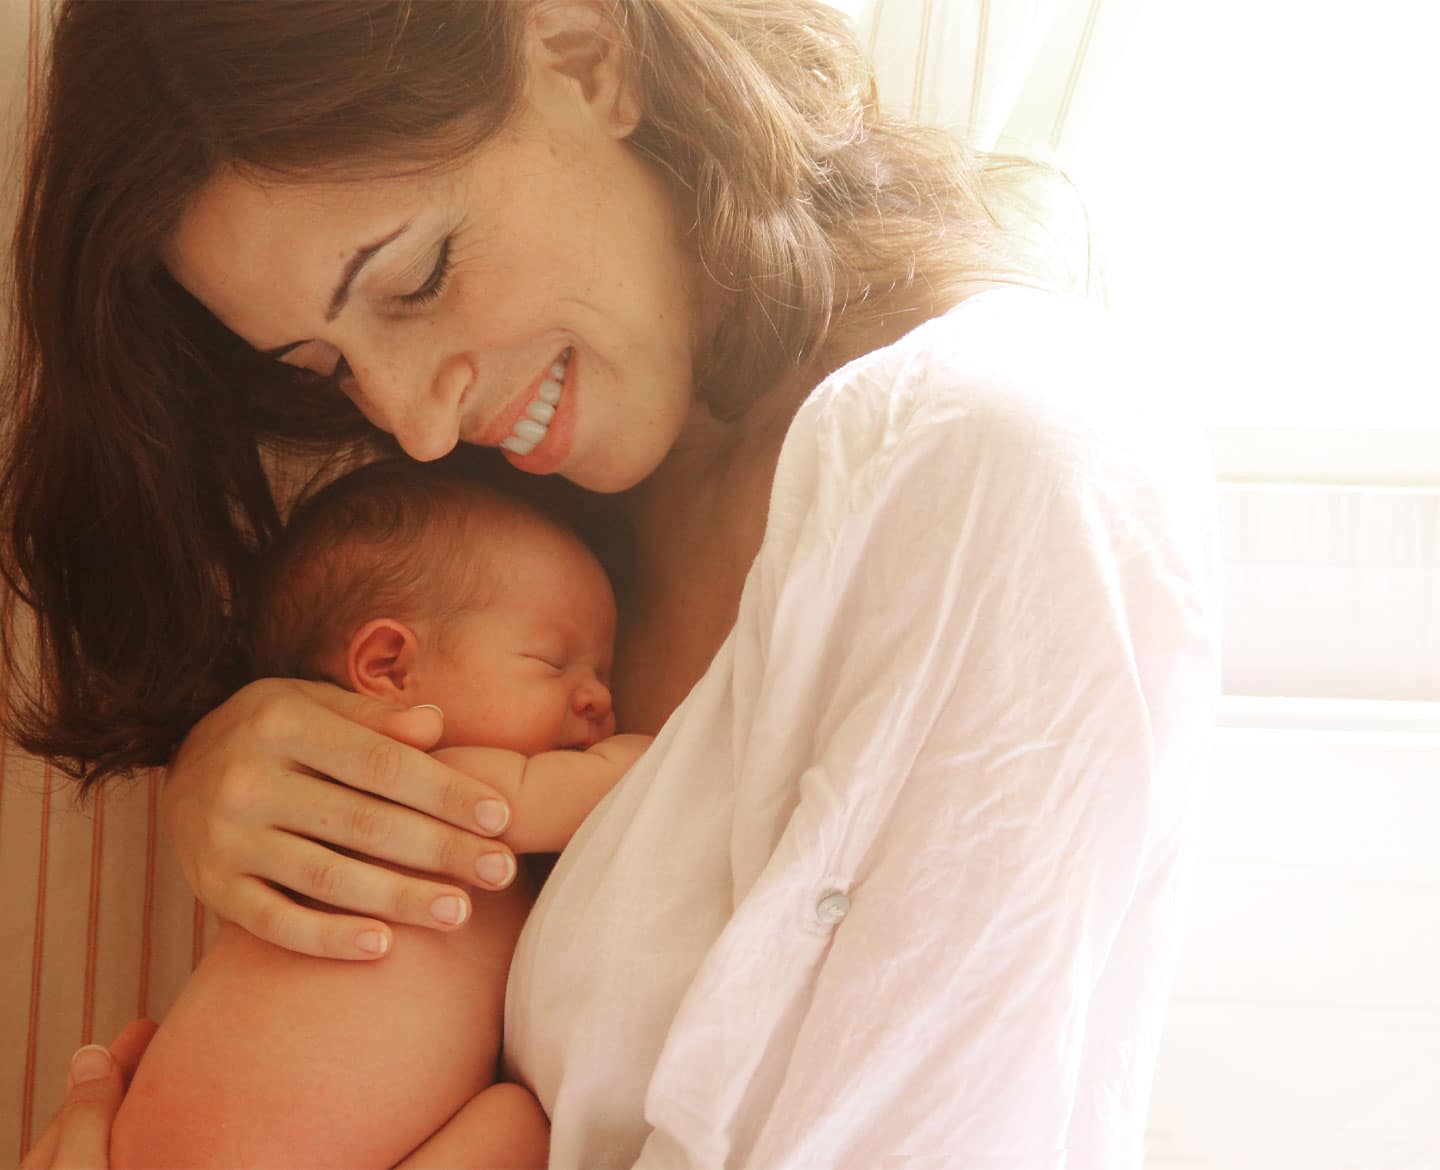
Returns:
<point x="924" y="608"/>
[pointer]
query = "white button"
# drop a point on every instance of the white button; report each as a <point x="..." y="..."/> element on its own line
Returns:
<point x="832" y="908"/>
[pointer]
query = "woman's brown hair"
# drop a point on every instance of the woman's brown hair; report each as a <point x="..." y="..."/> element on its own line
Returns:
<point x="133" y="492"/>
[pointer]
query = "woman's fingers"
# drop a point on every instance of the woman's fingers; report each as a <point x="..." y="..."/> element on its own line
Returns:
<point x="359" y="885"/>
<point x="283" y="760"/>
<point x="79" y="1136"/>
<point x="336" y="742"/>
<point x="390" y="833"/>
<point x="347" y="887"/>
<point x="278" y="919"/>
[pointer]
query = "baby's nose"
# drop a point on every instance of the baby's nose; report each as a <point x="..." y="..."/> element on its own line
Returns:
<point x="591" y="698"/>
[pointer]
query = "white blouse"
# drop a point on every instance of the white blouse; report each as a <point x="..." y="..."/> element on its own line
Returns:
<point x="900" y="882"/>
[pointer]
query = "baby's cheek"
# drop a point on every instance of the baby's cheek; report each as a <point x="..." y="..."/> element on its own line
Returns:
<point x="533" y="720"/>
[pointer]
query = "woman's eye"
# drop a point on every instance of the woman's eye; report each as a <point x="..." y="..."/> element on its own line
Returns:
<point x="434" y="283"/>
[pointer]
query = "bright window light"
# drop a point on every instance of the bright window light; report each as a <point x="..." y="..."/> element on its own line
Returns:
<point x="1265" y="183"/>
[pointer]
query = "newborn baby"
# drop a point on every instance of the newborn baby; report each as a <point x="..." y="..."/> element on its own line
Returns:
<point x="413" y="584"/>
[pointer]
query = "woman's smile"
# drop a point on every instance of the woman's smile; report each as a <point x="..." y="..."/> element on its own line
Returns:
<point x="536" y="429"/>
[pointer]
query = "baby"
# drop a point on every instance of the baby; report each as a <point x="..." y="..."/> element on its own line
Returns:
<point x="414" y="584"/>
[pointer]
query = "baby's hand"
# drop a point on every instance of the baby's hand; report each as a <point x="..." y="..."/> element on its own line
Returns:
<point x="549" y="794"/>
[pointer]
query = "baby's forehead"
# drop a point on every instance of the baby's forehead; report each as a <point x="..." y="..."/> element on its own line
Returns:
<point x="511" y="550"/>
<point x="498" y="531"/>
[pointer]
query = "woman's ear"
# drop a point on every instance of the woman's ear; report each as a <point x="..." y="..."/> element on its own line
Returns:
<point x="576" y="40"/>
<point x="381" y="658"/>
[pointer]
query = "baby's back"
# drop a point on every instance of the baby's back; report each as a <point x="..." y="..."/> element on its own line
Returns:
<point x="273" y="1058"/>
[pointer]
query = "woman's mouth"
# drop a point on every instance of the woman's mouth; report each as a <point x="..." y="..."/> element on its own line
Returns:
<point x="533" y="425"/>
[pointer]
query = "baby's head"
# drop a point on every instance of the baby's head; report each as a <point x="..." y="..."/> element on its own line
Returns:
<point x="415" y="584"/>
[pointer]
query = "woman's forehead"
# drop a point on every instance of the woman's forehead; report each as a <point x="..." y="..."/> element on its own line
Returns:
<point x="235" y="211"/>
<point x="259" y="252"/>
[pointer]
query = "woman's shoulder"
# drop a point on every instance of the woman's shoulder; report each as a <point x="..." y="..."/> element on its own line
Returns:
<point x="1012" y="385"/>
<point x="1005" y="355"/>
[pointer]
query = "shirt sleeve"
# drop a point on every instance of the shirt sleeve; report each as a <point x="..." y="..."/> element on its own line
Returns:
<point x="1012" y="610"/>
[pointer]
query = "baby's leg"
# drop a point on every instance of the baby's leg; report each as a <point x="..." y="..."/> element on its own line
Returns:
<point x="270" y="1058"/>
<point x="502" y="1128"/>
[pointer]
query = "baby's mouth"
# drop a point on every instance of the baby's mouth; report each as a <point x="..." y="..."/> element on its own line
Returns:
<point x="531" y="428"/>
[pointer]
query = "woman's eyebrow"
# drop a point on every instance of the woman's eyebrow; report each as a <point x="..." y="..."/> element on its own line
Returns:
<point x="342" y="290"/>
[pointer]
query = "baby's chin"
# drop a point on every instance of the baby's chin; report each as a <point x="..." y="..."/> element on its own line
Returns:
<point x="524" y="745"/>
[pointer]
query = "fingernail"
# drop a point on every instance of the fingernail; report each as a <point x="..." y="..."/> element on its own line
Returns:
<point x="428" y="707"/>
<point x="496" y="869"/>
<point x="492" y="816"/>
<point x="373" y="942"/>
<point x="449" y="909"/>
<point x="89" y="1064"/>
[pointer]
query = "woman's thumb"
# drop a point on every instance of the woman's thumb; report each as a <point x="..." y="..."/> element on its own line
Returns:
<point x="419" y="727"/>
<point x="92" y="1063"/>
<point x="96" y="1086"/>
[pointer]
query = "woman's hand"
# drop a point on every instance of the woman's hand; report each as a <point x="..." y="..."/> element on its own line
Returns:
<point x="249" y="809"/>
<point x="78" y="1137"/>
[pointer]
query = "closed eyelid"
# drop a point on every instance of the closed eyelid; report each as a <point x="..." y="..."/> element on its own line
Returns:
<point x="434" y="280"/>
<point x="341" y="295"/>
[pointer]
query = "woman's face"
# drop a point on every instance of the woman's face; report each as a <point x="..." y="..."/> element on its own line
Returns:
<point x="540" y="296"/>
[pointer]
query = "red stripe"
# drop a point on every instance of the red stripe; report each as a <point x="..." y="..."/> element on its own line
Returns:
<point x="92" y="934"/>
<point x="37" y="964"/>
<point x="197" y="937"/>
<point x="152" y="820"/>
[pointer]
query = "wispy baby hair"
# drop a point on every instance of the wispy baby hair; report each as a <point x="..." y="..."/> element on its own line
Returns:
<point x="395" y="538"/>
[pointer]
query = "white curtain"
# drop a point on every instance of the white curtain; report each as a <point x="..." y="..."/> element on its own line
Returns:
<point x="1260" y="176"/>
<point x="1009" y="73"/>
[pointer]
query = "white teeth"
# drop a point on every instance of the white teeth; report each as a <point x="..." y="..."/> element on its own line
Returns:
<point x="528" y="428"/>
<point x="529" y="432"/>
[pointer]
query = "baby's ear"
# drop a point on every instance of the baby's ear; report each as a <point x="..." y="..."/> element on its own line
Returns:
<point x="381" y="659"/>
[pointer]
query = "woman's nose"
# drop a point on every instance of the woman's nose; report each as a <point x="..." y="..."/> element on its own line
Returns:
<point x="423" y="413"/>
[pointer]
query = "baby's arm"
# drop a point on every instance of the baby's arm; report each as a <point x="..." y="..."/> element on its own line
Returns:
<point x="549" y="794"/>
<point x="273" y="1058"/>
